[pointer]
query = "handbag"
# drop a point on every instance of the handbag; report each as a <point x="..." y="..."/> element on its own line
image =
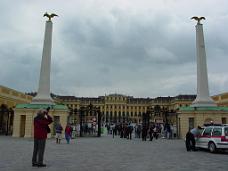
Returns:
<point x="48" y="129"/>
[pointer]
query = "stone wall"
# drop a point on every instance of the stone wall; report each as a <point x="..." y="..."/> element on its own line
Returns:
<point x="201" y="116"/>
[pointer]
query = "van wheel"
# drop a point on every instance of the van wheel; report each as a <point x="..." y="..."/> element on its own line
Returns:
<point x="211" y="147"/>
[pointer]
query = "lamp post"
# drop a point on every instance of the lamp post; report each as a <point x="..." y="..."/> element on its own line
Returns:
<point x="145" y="119"/>
<point x="1" y="117"/>
<point x="165" y="115"/>
<point x="9" y="112"/>
<point x="75" y="116"/>
<point x="97" y="110"/>
<point x="4" y="110"/>
<point x="81" y="113"/>
<point x="69" y="120"/>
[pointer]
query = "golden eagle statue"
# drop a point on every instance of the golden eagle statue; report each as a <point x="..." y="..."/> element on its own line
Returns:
<point x="50" y="16"/>
<point x="198" y="19"/>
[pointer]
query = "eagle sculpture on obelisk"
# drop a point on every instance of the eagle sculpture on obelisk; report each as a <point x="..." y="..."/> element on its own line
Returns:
<point x="43" y="94"/>
<point x="50" y="16"/>
<point x="198" y="19"/>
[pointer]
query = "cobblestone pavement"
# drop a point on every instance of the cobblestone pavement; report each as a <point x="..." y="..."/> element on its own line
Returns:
<point x="108" y="154"/>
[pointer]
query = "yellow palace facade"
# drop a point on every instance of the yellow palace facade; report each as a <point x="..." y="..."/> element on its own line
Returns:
<point x="113" y="107"/>
<point x="121" y="108"/>
<point x="9" y="98"/>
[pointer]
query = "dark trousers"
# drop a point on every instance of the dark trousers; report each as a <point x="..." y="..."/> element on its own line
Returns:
<point x="38" y="151"/>
<point x="151" y="136"/>
<point x="114" y="132"/>
<point x="190" y="144"/>
<point x="155" y="134"/>
<point x="144" y="135"/>
<point x="121" y="134"/>
<point x="139" y="134"/>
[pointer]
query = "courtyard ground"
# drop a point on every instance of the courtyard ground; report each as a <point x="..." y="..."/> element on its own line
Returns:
<point x="108" y="154"/>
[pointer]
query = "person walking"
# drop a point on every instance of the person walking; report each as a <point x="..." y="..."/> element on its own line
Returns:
<point x="41" y="122"/>
<point x="151" y="132"/>
<point x="58" y="131"/>
<point x="129" y="131"/>
<point x="114" y="131"/>
<point x="139" y="131"/>
<point x="68" y="132"/>
<point x="155" y="134"/>
<point x="190" y="141"/>
<point x="135" y="130"/>
<point x="121" y="130"/>
<point x="168" y="129"/>
<point x="144" y="132"/>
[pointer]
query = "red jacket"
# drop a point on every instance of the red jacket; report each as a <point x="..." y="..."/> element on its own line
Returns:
<point x="68" y="130"/>
<point x="40" y="126"/>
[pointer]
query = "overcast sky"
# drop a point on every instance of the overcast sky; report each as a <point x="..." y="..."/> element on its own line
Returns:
<point x="141" y="48"/>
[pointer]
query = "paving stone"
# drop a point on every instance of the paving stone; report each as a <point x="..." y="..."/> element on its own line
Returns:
<point x="108" y="154"/>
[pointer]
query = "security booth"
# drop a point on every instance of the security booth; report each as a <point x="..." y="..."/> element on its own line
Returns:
<point x="192" y="117"/>
<point x="24" y="115"/>
<point x="90" y="121"/>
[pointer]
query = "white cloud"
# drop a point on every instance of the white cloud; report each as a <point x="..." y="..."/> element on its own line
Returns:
<point x="140" y="48"/>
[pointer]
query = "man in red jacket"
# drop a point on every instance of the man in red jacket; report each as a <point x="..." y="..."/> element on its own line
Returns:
<point x="41" y="122"/>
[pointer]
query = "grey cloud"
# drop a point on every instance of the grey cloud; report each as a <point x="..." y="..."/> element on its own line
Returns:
<point x="132" y="39"/>
<point x="129" y="49"/>
<point x="135" y="50"/>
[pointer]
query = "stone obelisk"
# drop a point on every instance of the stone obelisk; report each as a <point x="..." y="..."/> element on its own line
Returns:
<point x="43" y="94"/>
<point x="203" y="98"/>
